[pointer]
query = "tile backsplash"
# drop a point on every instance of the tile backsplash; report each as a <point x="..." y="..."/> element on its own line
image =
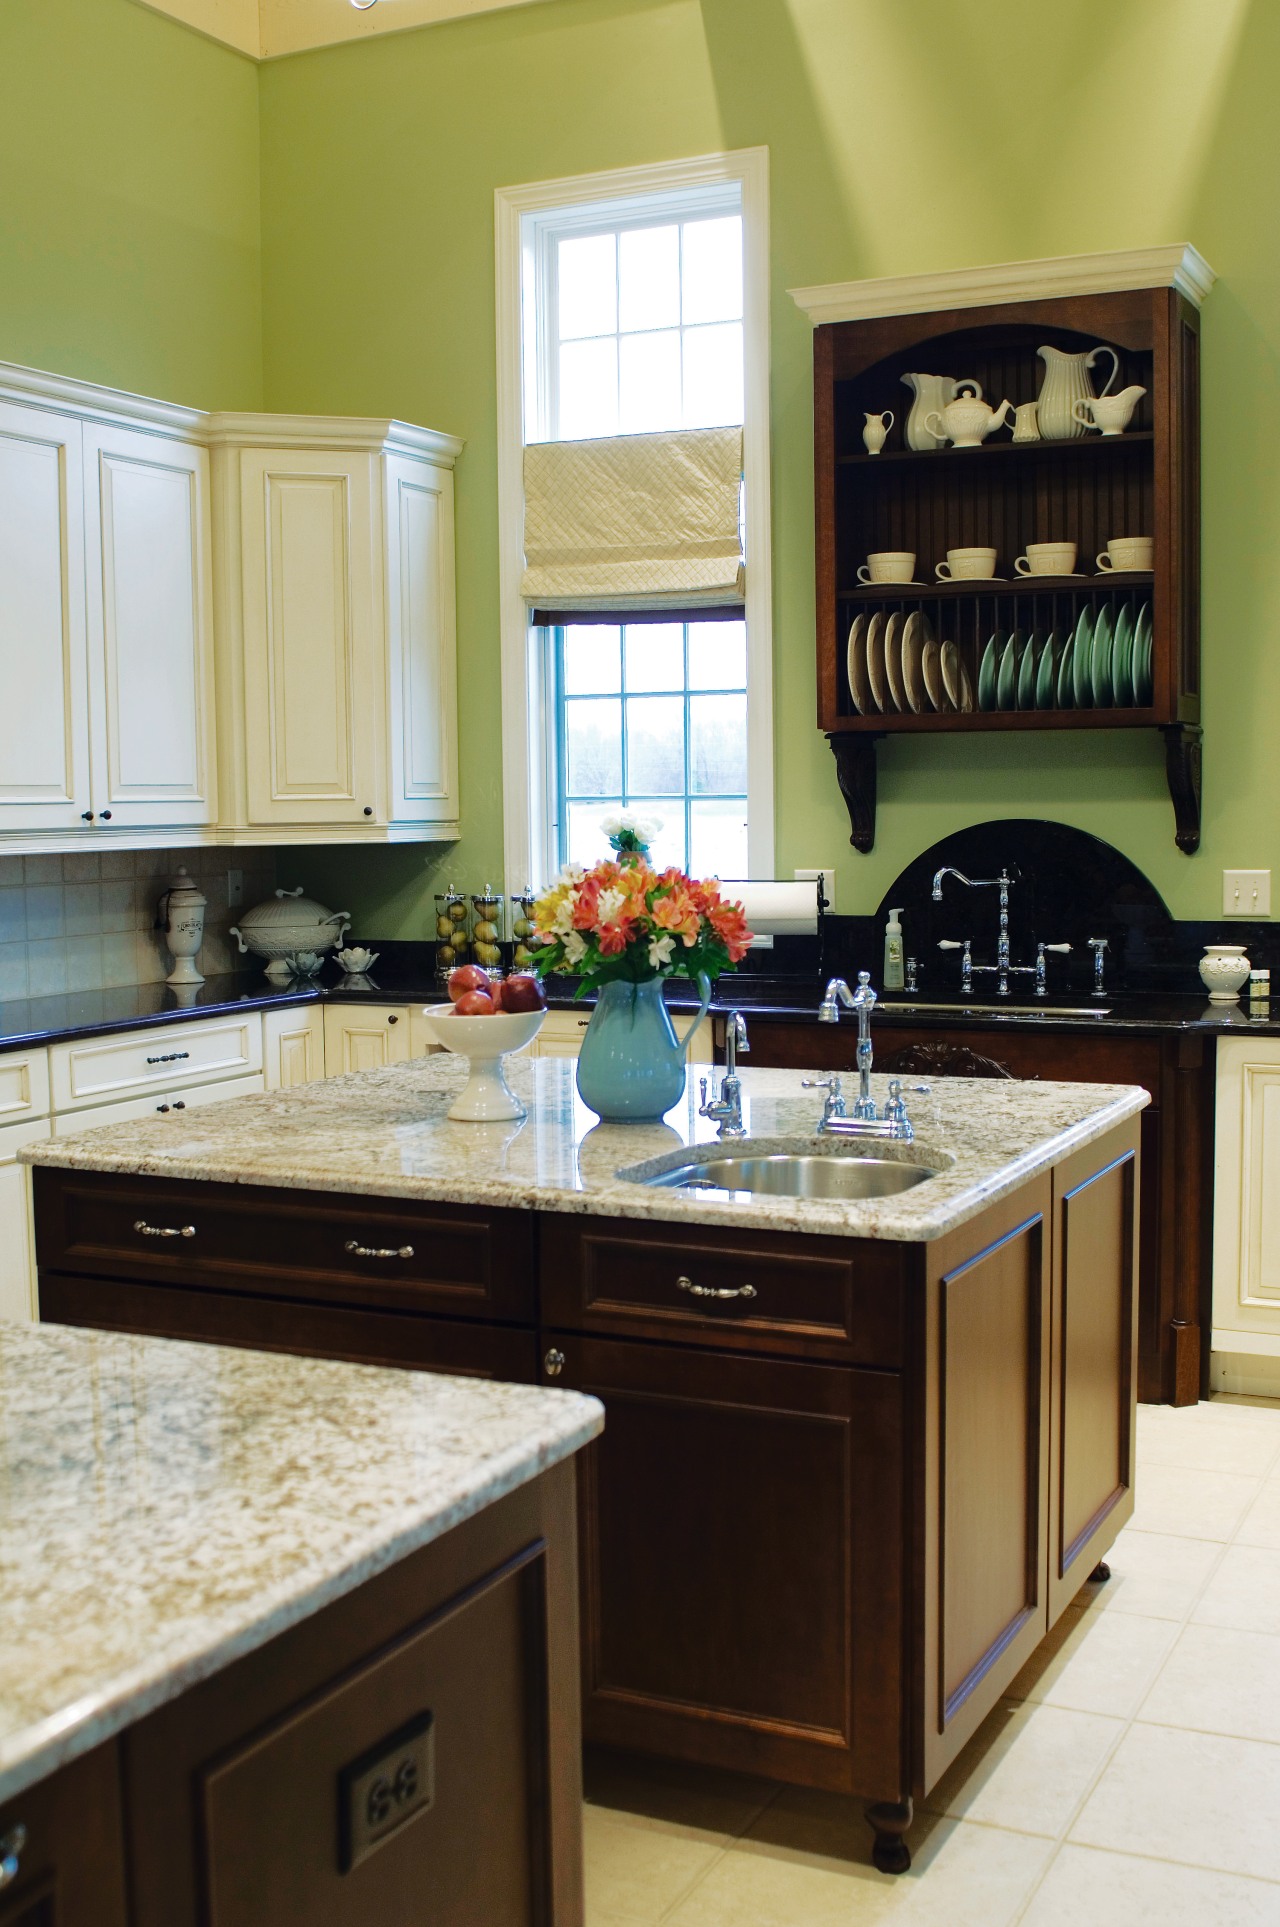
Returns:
<point x="85" y="922"/>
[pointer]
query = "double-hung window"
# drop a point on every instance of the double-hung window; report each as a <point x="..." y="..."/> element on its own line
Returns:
<point x="635" y="304"/>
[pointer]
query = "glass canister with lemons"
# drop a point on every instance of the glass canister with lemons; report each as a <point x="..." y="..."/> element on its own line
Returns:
<point x="453" y="933"/>
<point x="522" y="903"/>
<point x="486" y="927"/>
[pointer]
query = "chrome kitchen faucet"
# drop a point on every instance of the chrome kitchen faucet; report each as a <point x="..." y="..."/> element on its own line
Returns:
<point x="864" y="1120"/>
<point x="1003" y="967"/>
<point x="727" y="1109"/>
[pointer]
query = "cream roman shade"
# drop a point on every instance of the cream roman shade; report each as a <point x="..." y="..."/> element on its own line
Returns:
<point x="634" y="522"/>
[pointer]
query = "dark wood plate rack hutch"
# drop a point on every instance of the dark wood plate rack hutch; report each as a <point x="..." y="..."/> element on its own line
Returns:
<point x="1004" y="495"/>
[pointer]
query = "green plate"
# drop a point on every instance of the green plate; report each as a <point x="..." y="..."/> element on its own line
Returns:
<point x="1045" y="673"/>
<point x="1027" y="673"/>
<point x="1081" y="685"/>
<point x="1100" y="660"/>
<point x="1066" y="691"/>
<point x="987" y="672"/>
<point x="1143" y="651"/>
<point x="1007" y="682"/>
<point x="1122" y="660"/>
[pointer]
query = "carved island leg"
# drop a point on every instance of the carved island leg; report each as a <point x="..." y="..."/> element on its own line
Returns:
<point x="1101" y="1573"/>
<point x="1182" y="762"/>
<point x="856" y="773"/>
<point x="889" y="1820"/>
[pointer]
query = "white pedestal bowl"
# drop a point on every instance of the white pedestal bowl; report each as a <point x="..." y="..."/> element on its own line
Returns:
<point x="487" y="1098"/>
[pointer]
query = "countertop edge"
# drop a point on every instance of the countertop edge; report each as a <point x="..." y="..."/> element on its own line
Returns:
<point x="32" y="1754"/>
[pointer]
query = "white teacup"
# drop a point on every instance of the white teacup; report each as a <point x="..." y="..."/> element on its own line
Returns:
<point x="1131" y="554"/>
<point x="966" y="565"/>
<point x="888" y="565"/>
<point x="1047" y="558"/>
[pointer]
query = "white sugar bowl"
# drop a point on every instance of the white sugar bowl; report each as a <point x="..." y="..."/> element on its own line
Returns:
<point x="1224" y="971"/>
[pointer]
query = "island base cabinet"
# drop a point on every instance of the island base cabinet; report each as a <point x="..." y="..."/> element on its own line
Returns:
<point x="741" y="1545"/>
<point x="66" y="1835"/>
<point x="409" y="1757"/>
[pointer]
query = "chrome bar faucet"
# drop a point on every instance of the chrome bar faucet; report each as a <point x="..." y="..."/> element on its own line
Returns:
<point x="727" y="1109"/>
<point x="863" y="1001"/>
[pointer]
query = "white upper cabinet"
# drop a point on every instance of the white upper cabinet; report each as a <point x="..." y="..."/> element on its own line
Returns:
<point x="221" y="628"/>
<point x="44" y="732"/>
<point x="150" y="624"/>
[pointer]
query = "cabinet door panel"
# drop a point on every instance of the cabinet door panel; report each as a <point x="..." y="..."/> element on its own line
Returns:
<point x="150" y="624"/>
<point x="741" y="1534"/>
<point x="71" y="1870"/>
<point x="1246" y="1219"/>
<point x="293" y="1047"/>
<point x="44" y="730"/>
<point x="365" y="1040"/>
<point x="422" y="646"/>
<point x="313" y="675"/>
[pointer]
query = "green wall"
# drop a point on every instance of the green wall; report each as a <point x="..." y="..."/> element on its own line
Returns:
<point x="129" y="202"/>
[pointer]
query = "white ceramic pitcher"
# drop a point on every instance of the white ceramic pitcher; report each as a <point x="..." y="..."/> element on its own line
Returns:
<point x="1066" y="381"/>
<point x="932" y="393"/>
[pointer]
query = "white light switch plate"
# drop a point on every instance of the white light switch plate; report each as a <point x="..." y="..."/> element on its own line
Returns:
<point x="829" y="887"/>
<point x="1246" y="893"/>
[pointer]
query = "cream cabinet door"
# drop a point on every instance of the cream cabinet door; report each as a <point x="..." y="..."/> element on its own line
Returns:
<point x="17" y="1236"/>
<point x="421" y="644"/>
<point x="150" y="624"/>
<point x="314" y="673"/>
<point x="44" y="727"/>
<point x="172" y="1103"/>
<point x="562" y="1033"/>
<point x="1246" y="1197"/>
<point x="292" y="1047"/>
<point x="365" y="1038"/>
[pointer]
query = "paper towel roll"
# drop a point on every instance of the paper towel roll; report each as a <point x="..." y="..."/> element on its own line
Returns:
<point x="775" y="908"/>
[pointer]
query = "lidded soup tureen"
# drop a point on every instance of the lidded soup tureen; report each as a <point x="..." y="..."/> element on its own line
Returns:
<point x="286" y="925"/>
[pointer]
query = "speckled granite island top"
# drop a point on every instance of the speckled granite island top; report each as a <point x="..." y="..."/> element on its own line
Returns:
<point x="166" y="1508"/>
<point x="385" y="1134"/>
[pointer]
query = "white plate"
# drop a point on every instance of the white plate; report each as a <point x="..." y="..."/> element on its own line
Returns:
<point x="955" y="678"/>
<point x="913" y="682"/>
<point x="856" y="666"/>
<point x="893" y="661"/>
<point x="880" y="697"/>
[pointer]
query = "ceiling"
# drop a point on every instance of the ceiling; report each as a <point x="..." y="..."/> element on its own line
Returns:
<point x="269" y="28"/>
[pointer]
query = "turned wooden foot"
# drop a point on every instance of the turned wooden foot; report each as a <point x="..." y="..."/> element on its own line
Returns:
<point x="1101" y="1572"/>
<point x="889" y="1820"/>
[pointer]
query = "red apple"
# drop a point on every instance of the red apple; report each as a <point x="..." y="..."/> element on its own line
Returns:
<point x="523" y="993"/>
<point x="468" y="977"/>
<point x="474" y="1003"/>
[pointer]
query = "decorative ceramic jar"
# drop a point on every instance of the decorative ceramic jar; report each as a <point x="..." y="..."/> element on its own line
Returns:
<point x="631" y="1068"/>
<point x="1224" y="970"/>
<point x="288" y="926"/>
<point x="180" y="916"/>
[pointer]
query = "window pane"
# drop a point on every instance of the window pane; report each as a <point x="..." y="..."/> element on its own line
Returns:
<point x="593" y="747"/>
<point x="649" y="382"/>
<point x="712" y="279"/>
<point x="717" y="655"/>
<point x="655" y="744"/>
<point x="717" y="744"/>
<point x="718" y="835"/>
<point x="668" y="843"/>
<point x="586" y="842"/>
<point x="649" y="278"/>
<point x="655" y="656"/>
<point x="713" y="375"/>
<point x="587" y="287"/>
<point x="588" y="389"/>
<point x="592" y="660"/>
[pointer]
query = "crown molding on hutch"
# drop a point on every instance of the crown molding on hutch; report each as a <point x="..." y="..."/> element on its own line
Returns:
<point x="268" y="29"/>
<point x="1177" y="266"/>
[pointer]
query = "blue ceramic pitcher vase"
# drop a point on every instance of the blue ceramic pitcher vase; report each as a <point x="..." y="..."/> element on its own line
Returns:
<point x="631" y="1068"/>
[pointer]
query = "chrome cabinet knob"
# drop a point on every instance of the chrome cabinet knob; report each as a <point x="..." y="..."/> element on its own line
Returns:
<point x="553" y="1363"/>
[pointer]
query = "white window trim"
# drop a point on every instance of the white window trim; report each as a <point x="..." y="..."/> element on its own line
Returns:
<point x="527" y="777"/>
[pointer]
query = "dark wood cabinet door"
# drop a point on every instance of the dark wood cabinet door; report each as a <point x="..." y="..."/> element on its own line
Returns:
<point x="284" y="1325"/>
<point x="1094" y="1345"/>
<point x="71" y="1866"/>
<point x="741" y="1554"/>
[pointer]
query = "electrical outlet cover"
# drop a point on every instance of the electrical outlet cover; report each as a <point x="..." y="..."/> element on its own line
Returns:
<point x="1246" y="893"/>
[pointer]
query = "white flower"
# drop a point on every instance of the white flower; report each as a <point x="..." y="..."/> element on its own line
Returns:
<point x="563" y="920"/>
<point x="609" y="904"/>
<point x="644" y="828"/>
<point x="660" y="949"/>
<point x="575" y="947"/>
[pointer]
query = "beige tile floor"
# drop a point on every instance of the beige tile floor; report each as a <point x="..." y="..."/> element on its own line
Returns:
<point x="1131" y="1775"/>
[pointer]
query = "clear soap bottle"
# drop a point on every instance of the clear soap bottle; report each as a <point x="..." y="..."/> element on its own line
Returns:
<point x="893" y="978"/>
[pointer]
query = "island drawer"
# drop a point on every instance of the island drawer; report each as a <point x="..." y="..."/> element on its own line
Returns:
<point x="812" y="1297"/>
<point x="101" y="1070"/>
<point x="409" y="1342"/>
<point x="401" y="1254"/>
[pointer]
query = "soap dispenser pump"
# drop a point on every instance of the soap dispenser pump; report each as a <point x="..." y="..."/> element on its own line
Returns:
<point x="893" y="974"/>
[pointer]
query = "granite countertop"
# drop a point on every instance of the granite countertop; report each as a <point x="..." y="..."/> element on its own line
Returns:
<point x="166" y="1508"/>
<point x="384" y="1133"/>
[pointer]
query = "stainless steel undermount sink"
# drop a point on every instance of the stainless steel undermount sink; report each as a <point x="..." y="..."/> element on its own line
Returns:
<point x="793" y="1175"/>
<point x="964" y="1008"/>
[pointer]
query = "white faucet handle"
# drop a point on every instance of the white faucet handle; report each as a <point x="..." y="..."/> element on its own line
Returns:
<point x="1063" y="949"/>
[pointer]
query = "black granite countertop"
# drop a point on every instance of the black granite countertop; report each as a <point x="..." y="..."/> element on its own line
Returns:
<point x="783" y="999"/>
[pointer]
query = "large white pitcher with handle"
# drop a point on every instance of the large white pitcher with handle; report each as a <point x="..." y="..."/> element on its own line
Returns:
<point x="1066" y="381"/>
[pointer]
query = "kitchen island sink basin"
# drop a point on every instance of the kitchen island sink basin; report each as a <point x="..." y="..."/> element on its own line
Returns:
<point x="783" y="1175"/>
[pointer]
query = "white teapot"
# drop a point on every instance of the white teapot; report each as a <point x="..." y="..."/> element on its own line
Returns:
<point x="968" y="420"/>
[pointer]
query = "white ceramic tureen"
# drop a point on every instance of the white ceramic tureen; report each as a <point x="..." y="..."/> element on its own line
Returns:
<point x="286" y="926"/>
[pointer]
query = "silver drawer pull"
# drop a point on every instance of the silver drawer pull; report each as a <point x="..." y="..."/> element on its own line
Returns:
<point x="715" y="1291"/>
<point x="170" y="1057"/>
<point x="163" y="1230"/>
<point x="11" y="1845"/>
<point x="374" y="1251"/>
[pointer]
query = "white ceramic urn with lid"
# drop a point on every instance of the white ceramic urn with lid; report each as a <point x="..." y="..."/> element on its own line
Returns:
<point x="286" y="926"/>
<point x="180" y="916"/>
